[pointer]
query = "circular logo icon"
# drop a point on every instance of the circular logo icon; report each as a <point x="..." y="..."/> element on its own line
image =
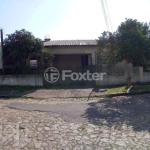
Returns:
<point x="51" y="74"/>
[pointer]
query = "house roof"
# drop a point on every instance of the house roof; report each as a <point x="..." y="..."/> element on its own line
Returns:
<point x="69" y="42"/>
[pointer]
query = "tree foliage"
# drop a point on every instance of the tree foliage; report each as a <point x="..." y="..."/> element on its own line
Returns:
<point x="131" y="40"/>
<point x="21" y="45"/>
<point x="107" y="48"/>
<point x="47" y="56"/>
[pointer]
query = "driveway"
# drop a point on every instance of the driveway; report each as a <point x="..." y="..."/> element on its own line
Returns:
<point x="116" y="123"/>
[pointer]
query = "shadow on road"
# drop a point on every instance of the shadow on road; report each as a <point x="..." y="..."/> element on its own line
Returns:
<point x="133" y="111"/>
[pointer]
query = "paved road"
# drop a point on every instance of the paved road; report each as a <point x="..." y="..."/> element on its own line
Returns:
<point x="121" y="123"/>
<point x="70" y="112"/>
<point x="108" y="109"/>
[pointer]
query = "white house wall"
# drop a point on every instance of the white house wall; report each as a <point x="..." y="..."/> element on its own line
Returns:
<point x="76" y="50"/>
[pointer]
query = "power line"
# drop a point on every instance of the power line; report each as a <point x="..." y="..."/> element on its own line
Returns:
<point x="109" y="19"/>
<point x="106" y="15"/>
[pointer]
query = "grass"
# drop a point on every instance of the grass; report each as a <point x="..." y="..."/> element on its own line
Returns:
<point x="122" y="89"/>
<point x="18" y="87"/>
<point x="113" y="90"/>
<point x="140" y="88"/>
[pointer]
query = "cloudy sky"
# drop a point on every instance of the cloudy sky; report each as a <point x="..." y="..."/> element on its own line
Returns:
<point x="68" y="19"/>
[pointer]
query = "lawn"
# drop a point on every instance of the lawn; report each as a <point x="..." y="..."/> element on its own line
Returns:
<point x="123" y="89"/>
<point x="18" y="87"/>
<point x="140" y="88"/>
<point x="114" y="90"/>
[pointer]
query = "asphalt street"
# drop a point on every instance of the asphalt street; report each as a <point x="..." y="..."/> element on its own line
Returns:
<point x="103" y="108"/>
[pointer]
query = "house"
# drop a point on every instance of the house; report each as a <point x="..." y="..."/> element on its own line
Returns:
<point x="71" y="54"/>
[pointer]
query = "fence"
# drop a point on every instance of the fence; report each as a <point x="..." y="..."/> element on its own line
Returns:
<point x="31" y="80"/>
<point x="111" y="78"/>
<point x="115" y="78"/>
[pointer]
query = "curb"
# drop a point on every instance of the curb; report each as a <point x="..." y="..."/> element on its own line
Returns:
<point x="127" y="94"/>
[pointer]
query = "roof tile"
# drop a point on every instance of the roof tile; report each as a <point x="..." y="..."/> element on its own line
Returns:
<point x="69" y="42"/>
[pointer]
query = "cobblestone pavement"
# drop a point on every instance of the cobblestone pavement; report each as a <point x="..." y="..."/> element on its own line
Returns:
<point x="37" y="131"/>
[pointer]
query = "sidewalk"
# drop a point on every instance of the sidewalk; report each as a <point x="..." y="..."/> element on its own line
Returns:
<point x="68" y="93"/>
<point x="64" y="93"/>
<point x="52" y="93"/>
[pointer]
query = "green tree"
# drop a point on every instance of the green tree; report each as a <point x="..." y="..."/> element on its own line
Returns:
<point x="107" y="48"/>
<point x="19" y="46"/>
<point x="134" y="41"/>
<point x="47" y="57"/>
<point x="131" y="41"/>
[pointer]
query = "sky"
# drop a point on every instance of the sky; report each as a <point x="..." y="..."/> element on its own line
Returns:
<point x="68" y="19"/>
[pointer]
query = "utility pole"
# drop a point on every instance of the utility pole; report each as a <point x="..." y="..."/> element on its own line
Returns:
<point x="42" y="61"/>
<point x="2" y="60"/>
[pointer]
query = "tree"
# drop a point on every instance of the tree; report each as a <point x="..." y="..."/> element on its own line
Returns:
<point x="47" y="57"/>
<point x="20" y="46"/>
<point x="130" y="41"/>
<point x="107" y="48"/>
<point x="134" y="41"/>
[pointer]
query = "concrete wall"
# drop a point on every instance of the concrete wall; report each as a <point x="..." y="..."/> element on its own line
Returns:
<point x="146" y="77"/>
<point x="108" y="79"/>
<point x="31" y="80"/>
<point x="115" y="80"/>
<point x="138" y="77"/>
<point x="69" y="82"/>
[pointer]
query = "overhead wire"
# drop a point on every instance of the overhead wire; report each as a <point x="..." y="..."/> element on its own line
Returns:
<point x="104" y="13"/>
<point x="109" y="19"/>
